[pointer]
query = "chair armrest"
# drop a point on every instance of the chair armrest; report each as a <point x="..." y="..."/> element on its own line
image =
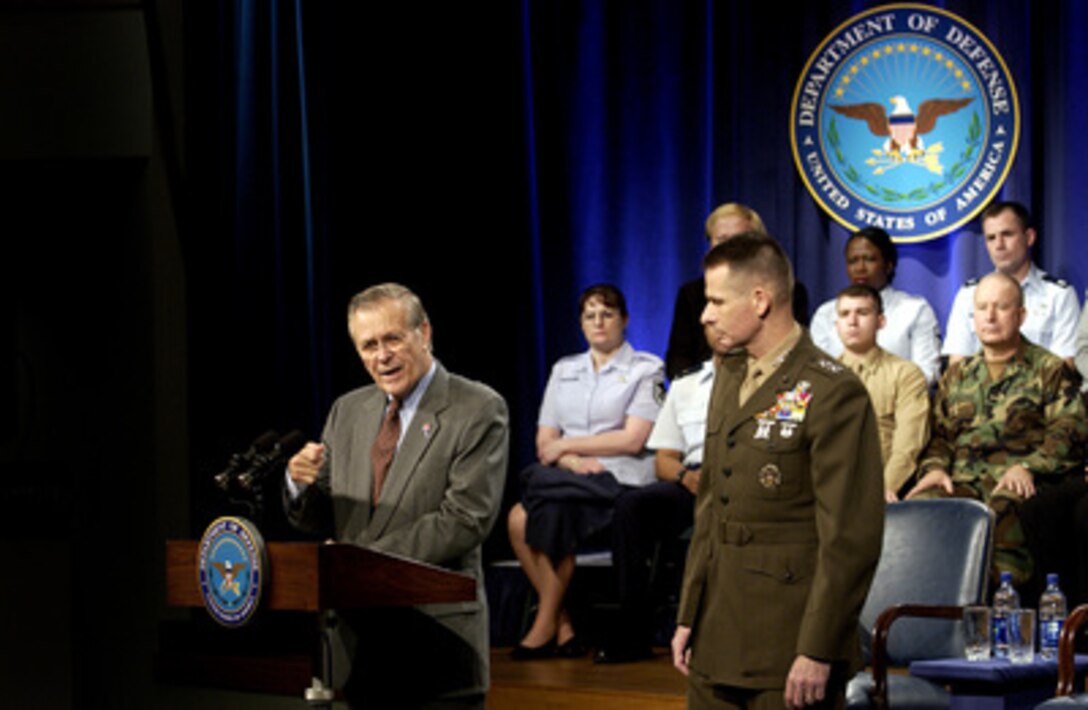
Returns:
<point x="1067" y="670"/>
<point x="879" y="694"/>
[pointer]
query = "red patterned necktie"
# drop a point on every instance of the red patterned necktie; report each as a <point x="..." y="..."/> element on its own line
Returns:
<point x="385" y="446"/>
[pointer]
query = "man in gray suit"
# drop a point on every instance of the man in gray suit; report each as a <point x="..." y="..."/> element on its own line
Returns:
<point x="413" y="465"/>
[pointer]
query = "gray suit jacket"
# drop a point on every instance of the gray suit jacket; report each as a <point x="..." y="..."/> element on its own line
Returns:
<point x="439" y="501"/>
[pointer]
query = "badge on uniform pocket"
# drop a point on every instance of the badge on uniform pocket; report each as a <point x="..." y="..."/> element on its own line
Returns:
<point x="770" y="477"/>
<point x="763" y="428"/>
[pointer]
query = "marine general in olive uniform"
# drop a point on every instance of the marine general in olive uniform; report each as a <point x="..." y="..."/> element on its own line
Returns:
<point x="790" y="509"/>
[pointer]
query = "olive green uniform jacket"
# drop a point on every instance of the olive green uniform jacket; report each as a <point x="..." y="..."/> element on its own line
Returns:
<point x="789" y="522"/>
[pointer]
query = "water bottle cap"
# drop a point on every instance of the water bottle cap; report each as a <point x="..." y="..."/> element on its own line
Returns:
<point x="1006" y="577"/>
<point x="1052" y="578"/>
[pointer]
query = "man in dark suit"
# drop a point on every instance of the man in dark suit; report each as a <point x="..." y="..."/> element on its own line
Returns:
<point x="688" y="349"/>
<point x="412" y="465"/>
<point x="790" y="509"/>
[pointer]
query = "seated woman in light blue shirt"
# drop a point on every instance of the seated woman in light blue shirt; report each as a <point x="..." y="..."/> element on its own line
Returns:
<point x="598" y="410"/>
<point x="911" y="332"/>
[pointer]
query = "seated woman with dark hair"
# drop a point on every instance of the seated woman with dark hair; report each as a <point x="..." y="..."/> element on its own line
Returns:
<point x="598" y="410"/>
<point x="912" y="331"/>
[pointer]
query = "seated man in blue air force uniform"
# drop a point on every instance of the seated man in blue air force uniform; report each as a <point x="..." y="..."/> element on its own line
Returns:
<point x="1050" y="303"/>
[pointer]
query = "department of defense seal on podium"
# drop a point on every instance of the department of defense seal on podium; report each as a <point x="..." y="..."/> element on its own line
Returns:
<point x="904" y="118"/>
<point x="231" y="567"/>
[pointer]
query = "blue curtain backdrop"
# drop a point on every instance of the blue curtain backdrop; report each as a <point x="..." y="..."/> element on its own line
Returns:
<point x="646" y="115"/>
<point x="500" y="159"/>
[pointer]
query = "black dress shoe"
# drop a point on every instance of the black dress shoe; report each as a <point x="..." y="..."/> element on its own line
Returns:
<point x="533" y="653"/>
<point x="623" y="654"/>
<point x="571" y="648"/>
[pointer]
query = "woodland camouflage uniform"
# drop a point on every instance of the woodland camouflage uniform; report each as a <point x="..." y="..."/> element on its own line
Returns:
<point x="1033" y="415"/>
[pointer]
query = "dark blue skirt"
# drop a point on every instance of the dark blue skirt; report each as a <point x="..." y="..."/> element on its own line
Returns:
<point x="565" y="509"/>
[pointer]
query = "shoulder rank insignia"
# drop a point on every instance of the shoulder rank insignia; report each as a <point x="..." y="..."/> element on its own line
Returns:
<point x="830" y="365"/>
<point x="1056" y="280"/>
<point x="690" y="370"/>
<point x="659" y="392"/>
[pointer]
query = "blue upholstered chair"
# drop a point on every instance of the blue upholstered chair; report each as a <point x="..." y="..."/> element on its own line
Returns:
<point x="1065" y="697"/>
<point x="935" y="561"/>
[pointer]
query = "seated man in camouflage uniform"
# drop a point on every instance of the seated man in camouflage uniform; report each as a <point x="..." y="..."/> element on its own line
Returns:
<point x="1006" y="421"/>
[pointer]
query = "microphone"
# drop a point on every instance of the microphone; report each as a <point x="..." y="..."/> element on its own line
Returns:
<point x="242" y="461"/>
<point x="263" y="462"/>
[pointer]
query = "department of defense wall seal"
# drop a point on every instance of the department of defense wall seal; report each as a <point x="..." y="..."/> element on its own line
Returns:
<point x="904" y="118"/>
<point x="231" y="567"/>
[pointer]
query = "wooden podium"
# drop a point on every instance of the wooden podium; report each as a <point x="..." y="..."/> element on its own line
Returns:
<point x="305" y="577"/>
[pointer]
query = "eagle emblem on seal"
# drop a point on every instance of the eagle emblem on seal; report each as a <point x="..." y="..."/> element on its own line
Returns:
<point x="903" y="130"/>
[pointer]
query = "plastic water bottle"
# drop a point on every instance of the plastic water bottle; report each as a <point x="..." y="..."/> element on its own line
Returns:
<point x="1052" y="611"/>
<point x="1005" y="600"/>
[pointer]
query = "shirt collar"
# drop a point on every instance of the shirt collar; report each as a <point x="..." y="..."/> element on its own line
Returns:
<point x="868" y="361"/>
<point x="1034" y="279"/>
<point x="412" y="400"/>
<point x="620" y="361"/>
<point x="771" y="360"/>
<point x="707" y="371"/>
<point x="1020" y="356"/>
<point x="978" y="361"/>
